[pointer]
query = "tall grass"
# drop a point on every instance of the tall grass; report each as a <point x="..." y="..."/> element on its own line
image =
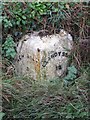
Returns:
<point x="24" y="98"/>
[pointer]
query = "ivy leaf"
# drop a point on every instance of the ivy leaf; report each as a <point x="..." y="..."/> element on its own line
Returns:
<point x="23" y="22"/>
<point x="18" y="22"/>
<point x="24" y="17"/>
<point x="13" y="54"/>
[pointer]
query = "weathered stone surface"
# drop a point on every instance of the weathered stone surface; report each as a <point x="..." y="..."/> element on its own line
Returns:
<point x="43" y="57"/>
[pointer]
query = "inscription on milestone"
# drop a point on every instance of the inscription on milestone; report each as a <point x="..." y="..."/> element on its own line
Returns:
<point x="53" y="55"/>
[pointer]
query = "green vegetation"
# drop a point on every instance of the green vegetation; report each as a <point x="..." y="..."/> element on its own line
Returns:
<point x="46" y="99"/>
<point x="62" y="98"/>
<point x="1" y="115"/>
<point x="9" y="47"/>
<point x="72" y="71"/>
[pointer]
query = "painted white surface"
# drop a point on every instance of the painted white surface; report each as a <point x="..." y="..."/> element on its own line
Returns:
<point x="50" y="50"/>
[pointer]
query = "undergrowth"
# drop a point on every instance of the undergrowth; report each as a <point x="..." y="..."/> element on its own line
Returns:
<point x="24" y="98"/>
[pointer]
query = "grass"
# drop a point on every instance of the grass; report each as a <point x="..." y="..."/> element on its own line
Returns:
<point x="24" y="98"/>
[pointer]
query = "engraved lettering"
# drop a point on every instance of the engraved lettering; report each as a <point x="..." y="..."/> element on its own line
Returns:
<point x="59" y="53"/>
<point x="19" y="57"/>
<point x="64" y="54"/>
<point x="55" y="54"/>
<point x="58" y="67"/>
<point x="49" y="58"/>
<point x="44" y="63"/>
<point x="52" y="56"/>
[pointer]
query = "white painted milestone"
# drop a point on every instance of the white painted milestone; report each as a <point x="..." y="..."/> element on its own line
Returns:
<point x="43" y="57"/>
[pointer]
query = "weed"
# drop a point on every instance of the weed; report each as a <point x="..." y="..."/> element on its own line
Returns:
<point x="9" y="47"/>
<point x="48" y="99"/>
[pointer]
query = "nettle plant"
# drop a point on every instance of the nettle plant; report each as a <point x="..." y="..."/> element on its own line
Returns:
<point x="8" y="48"/>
